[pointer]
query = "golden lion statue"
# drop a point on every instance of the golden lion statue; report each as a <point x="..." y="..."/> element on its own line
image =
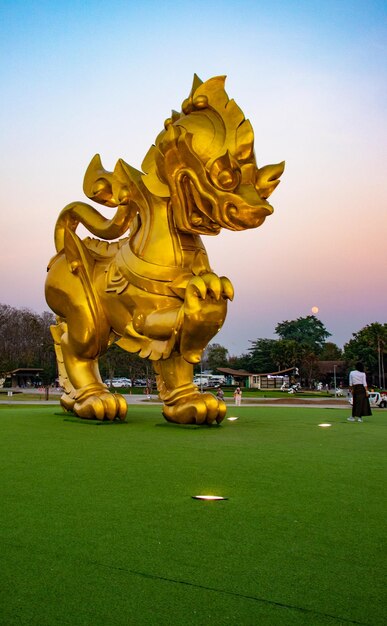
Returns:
<point x="152" y="291"/>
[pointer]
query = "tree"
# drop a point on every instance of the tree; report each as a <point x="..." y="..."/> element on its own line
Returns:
<point x="261" y="355"/>
<point x="369" y="345"/>
<point x="286" y="353"/>
<point x="330" y="352"/>
<point x="216" y="356"/>
<point x="25" y="340"/>
<point x="306" y="330"/>
<point x="118" y="362"/>
<point x="308" y="365"/>
<point x="242" y="362"/>
<point x="309" y="335"/>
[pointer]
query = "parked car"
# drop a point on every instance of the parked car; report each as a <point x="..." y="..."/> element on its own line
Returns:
<point x="201" y="381"/>
<point x="118" y="382"/>
<point x="139" y="382"/>
<point x="215" y="380"/>
<point x="377" y="400"/>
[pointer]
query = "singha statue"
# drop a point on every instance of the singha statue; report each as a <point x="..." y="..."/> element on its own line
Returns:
<point x="144" y="281"/>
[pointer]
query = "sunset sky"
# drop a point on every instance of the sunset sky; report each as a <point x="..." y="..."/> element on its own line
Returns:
<point x="87" y="76"/>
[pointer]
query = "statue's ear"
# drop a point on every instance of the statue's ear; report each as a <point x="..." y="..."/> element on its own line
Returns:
<point x="267" y="178"/>
<point x="186" y="107"/>
<point x="195" y="84"/>
<point x="97" y="183"/>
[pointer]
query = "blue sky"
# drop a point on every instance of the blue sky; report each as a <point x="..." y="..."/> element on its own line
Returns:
<point x="84" y="77"/>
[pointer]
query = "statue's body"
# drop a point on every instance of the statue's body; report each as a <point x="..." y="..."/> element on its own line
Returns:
<point x="153" y="291"/>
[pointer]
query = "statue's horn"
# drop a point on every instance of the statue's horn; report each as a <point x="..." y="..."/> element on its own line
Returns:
<point x="267" y="178"/>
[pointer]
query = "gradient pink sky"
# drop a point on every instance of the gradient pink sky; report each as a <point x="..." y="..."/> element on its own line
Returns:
<point x="89" y="77"/>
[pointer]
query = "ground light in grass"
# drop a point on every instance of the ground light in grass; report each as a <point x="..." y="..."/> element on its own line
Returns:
<point x="232" y="419"/>
<point x="325" y="425"/>
<point x="209" y="498"/>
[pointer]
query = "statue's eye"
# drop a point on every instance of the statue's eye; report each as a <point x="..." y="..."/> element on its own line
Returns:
<point x="225" y="173"/>
<point x="229" y="179"/>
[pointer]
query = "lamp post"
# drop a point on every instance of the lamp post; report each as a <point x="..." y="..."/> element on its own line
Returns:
<point x="334" y="379"/>
<point x="381" y="384"/>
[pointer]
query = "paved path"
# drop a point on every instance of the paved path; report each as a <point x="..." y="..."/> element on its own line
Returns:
<point x="329" y="402"/>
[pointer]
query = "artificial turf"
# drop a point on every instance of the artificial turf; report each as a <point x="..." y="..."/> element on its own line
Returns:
<point x="98" y="524"/>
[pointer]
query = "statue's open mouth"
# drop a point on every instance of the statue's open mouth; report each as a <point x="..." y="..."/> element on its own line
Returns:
<point x="209" y="210"/>
<point x="198" y="208"/>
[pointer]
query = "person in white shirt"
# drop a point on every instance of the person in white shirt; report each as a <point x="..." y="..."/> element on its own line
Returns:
<point x="358" y="388"/>
<point x="238" y="396"/>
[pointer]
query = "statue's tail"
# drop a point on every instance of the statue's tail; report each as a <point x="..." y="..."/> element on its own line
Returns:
<point x="121" y="189"/>
<point x="82" y="213"/>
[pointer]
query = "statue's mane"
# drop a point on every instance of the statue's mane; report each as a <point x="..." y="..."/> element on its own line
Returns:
<point x="216" y="126"/>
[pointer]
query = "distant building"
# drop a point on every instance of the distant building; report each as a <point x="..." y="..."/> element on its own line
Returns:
<point x="251" y="380"/>
<point x="24" y="377"/>
<point x="235" y="377"/>
<point x="328" y="371"/>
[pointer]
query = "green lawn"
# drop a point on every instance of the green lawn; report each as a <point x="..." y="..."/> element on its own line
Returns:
<point x="98" y="526"/>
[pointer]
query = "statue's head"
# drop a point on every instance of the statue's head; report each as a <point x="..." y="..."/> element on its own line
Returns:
<point x="204" y="162"/>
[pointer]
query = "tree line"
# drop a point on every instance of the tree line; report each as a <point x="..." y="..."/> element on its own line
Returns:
<point x="303" y="343"/>
<point x="25" y="341"/>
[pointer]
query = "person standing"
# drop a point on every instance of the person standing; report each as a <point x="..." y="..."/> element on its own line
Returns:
<point x="358" y="388"/>
<point x="220" y="393"/>
<point x="238" y="396"/>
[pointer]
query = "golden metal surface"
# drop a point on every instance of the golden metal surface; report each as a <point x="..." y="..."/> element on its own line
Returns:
<point x="153" y="290"/>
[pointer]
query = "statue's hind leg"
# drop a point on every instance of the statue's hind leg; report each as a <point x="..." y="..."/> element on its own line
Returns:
<point x="183" y="403"/>
<point x="92" y="397"/>
<point x="80" y="338"/>
<point x="84" y="392"/>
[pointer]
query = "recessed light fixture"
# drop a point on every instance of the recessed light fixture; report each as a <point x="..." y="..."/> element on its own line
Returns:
<point x="207" y="497"/>
<point x="325" y="425"/>
<point x="232" y="419"/>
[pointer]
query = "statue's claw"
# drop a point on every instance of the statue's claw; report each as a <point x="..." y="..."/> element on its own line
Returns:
<point x="213" y="284"/>
<point x="227" y="288"/>
<point x="106" y="406"/>
<point x="197" y="408"/>
<point x="207" y="285"/>
<point x="205" y="308"/>
<point x="196" y="289"/>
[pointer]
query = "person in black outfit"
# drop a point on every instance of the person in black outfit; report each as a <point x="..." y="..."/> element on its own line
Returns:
<point x="358" y="388"/>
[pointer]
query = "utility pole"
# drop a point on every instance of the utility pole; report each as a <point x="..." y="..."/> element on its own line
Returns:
<point x="382" y="380"/>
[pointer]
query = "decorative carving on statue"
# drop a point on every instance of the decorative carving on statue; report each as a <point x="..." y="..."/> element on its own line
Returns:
<point x="152" y="290"/>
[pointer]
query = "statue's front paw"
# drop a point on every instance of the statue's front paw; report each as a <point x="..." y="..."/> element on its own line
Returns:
<point x="197" y="408"/>
<point x="207" y="287"/>
<point x="104" y="406"/>
<point x="205" y="309"/>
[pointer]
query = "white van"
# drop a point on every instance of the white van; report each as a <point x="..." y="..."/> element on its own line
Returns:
<point x="209" y="380"/>
<point x="201" y="381"/>
<point x="118" y="382"/>
<point x="376" y="399"/>
<point x="217" y="379"/>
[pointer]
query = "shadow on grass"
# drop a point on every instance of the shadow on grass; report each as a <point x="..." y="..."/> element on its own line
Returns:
<point x="79" y="420"/>
<point x="187" y="426"/>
